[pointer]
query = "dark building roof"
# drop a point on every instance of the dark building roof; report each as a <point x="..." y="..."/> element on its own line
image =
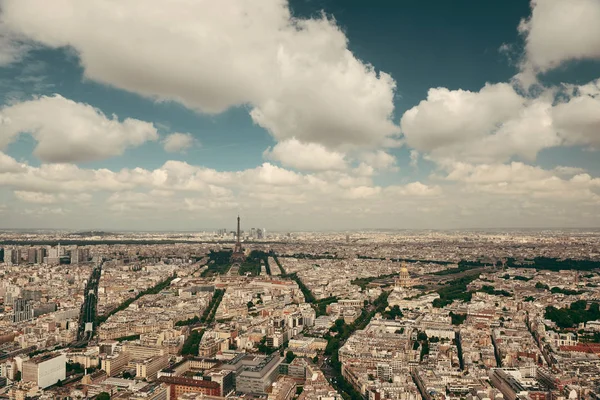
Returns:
<point x="175" y="380"/>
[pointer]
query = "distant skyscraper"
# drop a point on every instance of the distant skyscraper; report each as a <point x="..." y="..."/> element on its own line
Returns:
<point x="80" y="255"/>
<point x="53" y="252"/>
<point x="8" y="256"/>
<point x="75" y="256"/>
<point x="40" y="255"/>
<point x="84" y="255"/>
<point x="32" y="255"/>
<point x="23" y="310"/>
<point x="12" y="256"/>
<point x="54" y="255"/>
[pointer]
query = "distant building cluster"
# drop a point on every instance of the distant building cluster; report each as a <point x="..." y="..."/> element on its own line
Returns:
<point x="253" y="234"/>
<point x="51" y="255"/>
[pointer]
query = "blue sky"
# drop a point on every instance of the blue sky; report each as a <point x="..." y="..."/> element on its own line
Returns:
<point x="312" y="114"/>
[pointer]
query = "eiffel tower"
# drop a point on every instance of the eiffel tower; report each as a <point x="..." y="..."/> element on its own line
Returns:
<point x="238" y="253"/>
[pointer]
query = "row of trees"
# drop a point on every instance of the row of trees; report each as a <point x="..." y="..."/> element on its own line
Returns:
<point x="192" y="343"/>
<point x="491" y="290"/>
<point x="517" y="278"/>
<point x="209" y="313"/>
<point x="308" y="296"/>
<point x="557" y="290"/>
<point x="190" y="321"/>
<point x="310" y="256"/>
<point x="128" y="338"/>
<point x="363" y="282"/>
<point x="272" y="253"/>
<point x="546" y="263"/>
<point x="159" y="287"/>
<point x="462" y="267"/>
<point x="341" y="332"/>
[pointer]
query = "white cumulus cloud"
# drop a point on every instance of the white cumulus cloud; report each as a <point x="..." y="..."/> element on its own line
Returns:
<point x="178" y="142"/>
<point x="578" y="120"/>
<point x="380" y="160"/>
<point x="558" y="31"/>
<point x="448" y="117"/>
<point x="67" y="131"/>
<point x="306" y="156"/>
<point x="35" y="197"/>
<point x="491" y="125"/>
<point x="297" y="75"/>
<point x="515" y="194"/>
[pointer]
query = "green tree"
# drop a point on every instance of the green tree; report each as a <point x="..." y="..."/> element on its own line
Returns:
<point x="339" y="324"/>
<point x="103" y="396"/>
<point x="578" y="305"/>
<point x="190" y="346"/>
<point x="457" y="319"/>
<point x="424" y="349"/>
<point x="289" y="356"/>
<point x="393" y="313"/>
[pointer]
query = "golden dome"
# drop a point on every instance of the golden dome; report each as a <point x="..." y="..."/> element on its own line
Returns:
<point x="404" y="269"/>
<point x="403" y="280"/>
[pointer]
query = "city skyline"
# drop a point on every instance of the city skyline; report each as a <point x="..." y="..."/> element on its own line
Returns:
<point x="322" y="115"/>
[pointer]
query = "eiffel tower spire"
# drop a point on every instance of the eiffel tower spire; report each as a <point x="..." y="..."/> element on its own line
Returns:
<point x="238" y="252"/>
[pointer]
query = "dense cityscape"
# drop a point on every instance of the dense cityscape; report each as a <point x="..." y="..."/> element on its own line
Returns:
<point x="249" y="314"/>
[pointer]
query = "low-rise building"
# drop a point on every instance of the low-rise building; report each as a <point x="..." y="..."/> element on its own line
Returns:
<point x="178" y="386"/>
<point x="149" y="367"/>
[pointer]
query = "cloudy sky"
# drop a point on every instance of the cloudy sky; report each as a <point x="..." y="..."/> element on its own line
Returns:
<point x="299" y="114"/>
